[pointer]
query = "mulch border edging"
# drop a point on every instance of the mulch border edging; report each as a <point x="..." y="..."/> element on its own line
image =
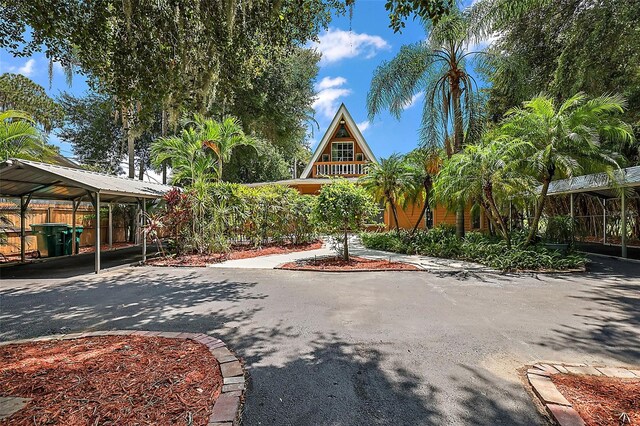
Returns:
<point x="227" y="409"/>
<point x="558" y="407"/>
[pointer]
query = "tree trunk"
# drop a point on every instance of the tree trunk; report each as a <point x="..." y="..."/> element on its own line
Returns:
<point x="141" y="172"/>
<point x="458" y="136"/>
<point x="395" y="213"/>
<point x="533" y="229"/>
<point x="460" y="220"/>
<point x="130" y="143"/>
<point x="427" y="187"/>
<point x="498" y="217"/>
<point x="345" y="248"/>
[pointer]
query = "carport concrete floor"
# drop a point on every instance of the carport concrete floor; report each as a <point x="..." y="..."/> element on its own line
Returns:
<point x="382" y="348"/>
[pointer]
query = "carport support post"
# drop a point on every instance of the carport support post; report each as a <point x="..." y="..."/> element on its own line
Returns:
<point x="604" y="221"/>
<point x="23" y="238"/>
<point x="97" y="208"/>
<point x="110" y="227"/>
<point x="623" y="203"/>
<point x="76" y="204"/>
<point x="573" y="216"/>
<point x="144" y="231"/>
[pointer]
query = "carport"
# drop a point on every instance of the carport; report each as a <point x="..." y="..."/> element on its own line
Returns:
<point x="29" y="180"/>
<point x="623" y="185"/>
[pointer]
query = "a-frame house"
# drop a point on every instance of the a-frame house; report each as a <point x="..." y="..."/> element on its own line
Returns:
<point x="344" y="152"/>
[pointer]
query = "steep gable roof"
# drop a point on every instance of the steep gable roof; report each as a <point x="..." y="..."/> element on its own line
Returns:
<point x="357" y="135"/>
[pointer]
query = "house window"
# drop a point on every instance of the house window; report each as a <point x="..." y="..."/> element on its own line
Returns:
<point x="325" y="158"/>
<point x="359" y="157"/>
<point x="342" y="131"/>
<point x="342" y="151"/>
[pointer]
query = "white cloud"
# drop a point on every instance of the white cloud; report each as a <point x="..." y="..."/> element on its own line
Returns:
<point x="330" y="90"/>
<point x="329" y="82"/>
<point x="481" y="45"/>
<point x="363" y="126"/>
<point x="414" y="99"/>
<point x="335" y="45"/>
<point x="27" y="68"/>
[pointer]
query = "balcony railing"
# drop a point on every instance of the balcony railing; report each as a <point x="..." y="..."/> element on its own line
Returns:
<point x="340" y="168"/>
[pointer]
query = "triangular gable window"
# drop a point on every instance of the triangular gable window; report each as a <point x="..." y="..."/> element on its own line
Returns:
<point x="342" y="131"/>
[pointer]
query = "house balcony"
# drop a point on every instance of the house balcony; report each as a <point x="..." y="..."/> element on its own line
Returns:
<point x="340" y="168"/>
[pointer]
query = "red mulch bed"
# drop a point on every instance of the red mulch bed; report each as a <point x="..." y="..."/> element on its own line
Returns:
<point x="354" y="264"/>
<point x="111" y="380"/>
<point x="601" y="401"/>
<point x="237" y="252"/>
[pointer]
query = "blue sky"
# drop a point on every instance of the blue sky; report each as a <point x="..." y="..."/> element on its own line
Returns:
<point x="351" y="52"/>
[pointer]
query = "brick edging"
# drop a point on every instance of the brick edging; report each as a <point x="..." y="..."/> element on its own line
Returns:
<point x="226" y="410"/>
<point x="558" y="407"/>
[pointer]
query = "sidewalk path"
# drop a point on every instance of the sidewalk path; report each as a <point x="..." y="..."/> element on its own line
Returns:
<point x="356" y="248"/>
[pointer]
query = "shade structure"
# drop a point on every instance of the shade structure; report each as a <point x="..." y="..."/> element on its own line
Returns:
<point x="29" y="180"/>
<point x="623" y="184"/>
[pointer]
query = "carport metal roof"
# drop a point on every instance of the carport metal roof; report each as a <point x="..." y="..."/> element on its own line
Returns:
<point x="599" y="184"/>
<point x="20" y="178"/>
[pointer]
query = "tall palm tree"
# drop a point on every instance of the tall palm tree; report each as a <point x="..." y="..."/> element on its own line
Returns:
<point x="389" y="181"/>
<point x="565" y="139"/>
<point x="222" y="137"/>
<point x="437" y="68"/>
<point x="425" y="164"/>
<point x="21" y="138"/>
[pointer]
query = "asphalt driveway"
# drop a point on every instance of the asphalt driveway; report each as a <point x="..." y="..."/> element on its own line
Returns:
<point x="360" y="348"/>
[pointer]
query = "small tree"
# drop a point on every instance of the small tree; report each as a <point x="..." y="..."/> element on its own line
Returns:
<point x="343" y="207"/>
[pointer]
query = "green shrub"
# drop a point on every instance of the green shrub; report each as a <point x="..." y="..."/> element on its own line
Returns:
<point x="212" y="217"/>
<point x="476" y="247"/>
<point x="343" y="207"/>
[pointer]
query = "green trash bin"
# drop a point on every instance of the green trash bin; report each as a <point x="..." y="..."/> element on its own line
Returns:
<point x="68" y="239"/>
<point x="50" y="238"/>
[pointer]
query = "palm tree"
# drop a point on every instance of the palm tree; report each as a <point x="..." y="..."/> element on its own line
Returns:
<point x="565" y="139"/>
<point x="222" y="137"/>
<point x="191" y="165"/>
<point x="389" y="181"/>
<point x="486" y="173"/>
<point x="20" y="138"/>
<point x="437" y="68"/>
<point x="425" y="164"/>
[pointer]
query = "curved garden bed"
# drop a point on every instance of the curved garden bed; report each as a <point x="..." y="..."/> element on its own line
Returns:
<point x="123" y="377"/>
<point x="336" y="264"/>
<point x="237" y="252"/>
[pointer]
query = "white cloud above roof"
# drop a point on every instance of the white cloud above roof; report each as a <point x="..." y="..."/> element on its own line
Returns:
<point x="330" y="91"/>
<point x="364" y="125"/>
<point x="336" y="45"/>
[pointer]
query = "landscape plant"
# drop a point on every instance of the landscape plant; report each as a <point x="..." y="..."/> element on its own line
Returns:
<point x="437" y="69"/>
<point x="343" y="207"/>
<point x="21" y="138"/>
<point x="424" y="164"/>
<point x="475" y="247"/>
<point x="565" y="139"/>
<point x="389" y="181"/>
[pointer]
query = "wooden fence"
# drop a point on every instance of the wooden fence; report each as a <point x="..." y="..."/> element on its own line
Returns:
<point x="58" y="212"/>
